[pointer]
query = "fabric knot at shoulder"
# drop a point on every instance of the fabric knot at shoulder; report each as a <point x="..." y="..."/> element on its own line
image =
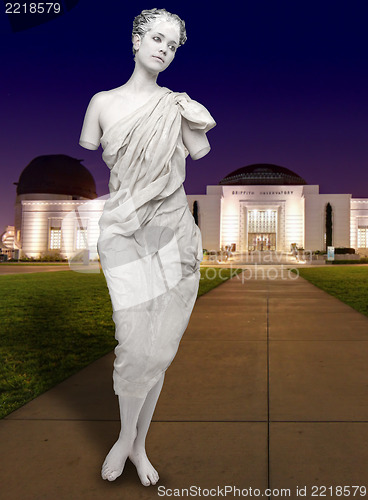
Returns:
<point x="197" y="116"/>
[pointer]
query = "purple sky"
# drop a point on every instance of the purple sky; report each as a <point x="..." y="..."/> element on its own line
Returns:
<point x="286" y="82"/>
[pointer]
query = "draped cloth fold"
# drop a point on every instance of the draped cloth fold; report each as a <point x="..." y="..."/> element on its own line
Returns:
<point x="149" y="245"/>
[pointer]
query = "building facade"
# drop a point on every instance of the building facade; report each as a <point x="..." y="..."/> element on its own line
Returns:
<point x="267" y="207"/>
<point x="255" y="208"/>
<point x="49" y="189"/>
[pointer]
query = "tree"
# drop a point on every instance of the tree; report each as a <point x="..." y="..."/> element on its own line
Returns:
<point x="195" y="211"/>
<point x="328" y="225"/>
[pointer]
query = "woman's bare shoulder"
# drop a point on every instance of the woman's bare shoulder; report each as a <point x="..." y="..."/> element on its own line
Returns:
<point x="116" y="92"/>
<point x="111" y="97"/>
<point x="100" y="97"/>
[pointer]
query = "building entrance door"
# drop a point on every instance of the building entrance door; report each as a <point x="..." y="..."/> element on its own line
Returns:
<point x="261" y="241"/>
<point x="262" y="229"/>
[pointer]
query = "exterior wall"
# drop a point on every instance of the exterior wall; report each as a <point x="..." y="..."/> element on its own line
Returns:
<point x="294" y="218"/>
<point x="315" y="220"/>
<point x="358" y="218"/>
<point x="287" y="201"/>
<point x="222" y="218"/>
<point x="38" y="216"/>
<point x="300" y="213"/>
<point x="230" y="220"/>
<point x="209" y="218"/>
<point x="18" y="219"/>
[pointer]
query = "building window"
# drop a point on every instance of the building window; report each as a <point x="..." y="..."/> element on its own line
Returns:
<point x="262" y="221"/>
<point x="362" y="237"/>
<point x="81" y="242"/>
<point x="54" y="234"/>
<point x="262" y="230"/>
<point x="55" y="238"/>
<point x="81" y="233"/>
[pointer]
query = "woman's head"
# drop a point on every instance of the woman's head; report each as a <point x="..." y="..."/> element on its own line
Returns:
<point x="147" y="19"/>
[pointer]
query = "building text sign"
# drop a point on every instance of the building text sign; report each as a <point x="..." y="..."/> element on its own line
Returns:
<point x="263" y="192"/>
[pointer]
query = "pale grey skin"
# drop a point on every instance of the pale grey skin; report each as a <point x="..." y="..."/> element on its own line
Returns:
<point x="155" y="51"/>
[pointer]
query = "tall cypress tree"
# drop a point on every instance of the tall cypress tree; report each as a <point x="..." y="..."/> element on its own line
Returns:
<point x="328" y="225"/>
<point x="195" y="211"/>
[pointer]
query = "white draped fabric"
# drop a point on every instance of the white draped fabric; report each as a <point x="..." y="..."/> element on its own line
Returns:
<point x="149" y="246"/>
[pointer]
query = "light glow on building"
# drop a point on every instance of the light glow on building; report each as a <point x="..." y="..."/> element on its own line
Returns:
<point x="257" y="208"/>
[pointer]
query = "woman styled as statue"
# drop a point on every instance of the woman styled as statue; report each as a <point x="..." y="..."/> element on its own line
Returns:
<point x="149" y="246"/>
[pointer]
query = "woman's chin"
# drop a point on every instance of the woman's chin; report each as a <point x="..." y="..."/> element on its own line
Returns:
<point x="154" y="70"/>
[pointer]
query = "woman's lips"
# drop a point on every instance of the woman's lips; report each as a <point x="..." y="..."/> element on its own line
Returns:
<point x="159" y="58"/>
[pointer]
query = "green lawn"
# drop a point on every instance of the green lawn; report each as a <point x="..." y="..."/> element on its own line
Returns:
<point x="54" y="324"/>
<point x="347" y="283"/>
<point x="30" y="263"/>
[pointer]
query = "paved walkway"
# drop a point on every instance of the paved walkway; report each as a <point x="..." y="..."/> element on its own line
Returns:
<point x="268" y="390"/>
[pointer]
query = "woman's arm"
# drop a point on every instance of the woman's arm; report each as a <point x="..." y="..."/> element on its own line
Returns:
<point x="195" y="141"/>
<point x="91" y="130"/>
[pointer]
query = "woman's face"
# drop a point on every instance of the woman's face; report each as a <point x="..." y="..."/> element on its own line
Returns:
<point x="157" y="48"/>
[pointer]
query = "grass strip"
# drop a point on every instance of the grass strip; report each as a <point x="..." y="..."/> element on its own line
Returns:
<point x="348" y="283"/>
<point x="55" y="324"/>
<point x="364" y="260"/>
<point x="30" y="263"/>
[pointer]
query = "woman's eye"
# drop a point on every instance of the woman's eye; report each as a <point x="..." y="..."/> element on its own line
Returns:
<point x="172" y="48"/>
<point x="157" y="38"/>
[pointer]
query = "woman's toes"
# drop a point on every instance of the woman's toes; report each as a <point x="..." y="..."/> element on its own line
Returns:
<point x="106" y="473"/>
<point x="109" y="475"/>
<point x="146" y="482"/>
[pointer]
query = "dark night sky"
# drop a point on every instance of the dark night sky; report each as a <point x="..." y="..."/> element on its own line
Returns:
<point x="286" y="82"/>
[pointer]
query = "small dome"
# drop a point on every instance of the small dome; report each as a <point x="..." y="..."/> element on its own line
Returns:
<point x="262" y="174"/>
<point x="57" y="174"/>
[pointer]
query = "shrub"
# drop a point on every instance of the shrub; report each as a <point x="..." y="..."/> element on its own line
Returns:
<point x="342" y="250"/>
<point x="51" y="257"/>
<point x="363" y="260"/>
<point x="46" y="257"/>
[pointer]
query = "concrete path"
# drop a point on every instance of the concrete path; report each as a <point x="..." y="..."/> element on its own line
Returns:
<point x="268" y="390"/>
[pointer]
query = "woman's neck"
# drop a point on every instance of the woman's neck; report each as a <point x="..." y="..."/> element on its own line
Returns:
<point x="142" y="81"/>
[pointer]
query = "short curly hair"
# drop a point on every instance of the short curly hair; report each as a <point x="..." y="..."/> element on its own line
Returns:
<point x="144" y="21"/>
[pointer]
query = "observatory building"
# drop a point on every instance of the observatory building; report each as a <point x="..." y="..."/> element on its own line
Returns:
<point x="269" y="207"/>
<point x="49" y="188"/>
<point x="258" y="207"/>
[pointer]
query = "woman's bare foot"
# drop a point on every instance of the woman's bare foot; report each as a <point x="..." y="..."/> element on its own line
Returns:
<point x="115" y="461"/>
<point x="146" y="472"/>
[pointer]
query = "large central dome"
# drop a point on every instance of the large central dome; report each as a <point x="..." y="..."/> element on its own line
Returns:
<point x="262" y="174"/>
<point x="57" y="174"/>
